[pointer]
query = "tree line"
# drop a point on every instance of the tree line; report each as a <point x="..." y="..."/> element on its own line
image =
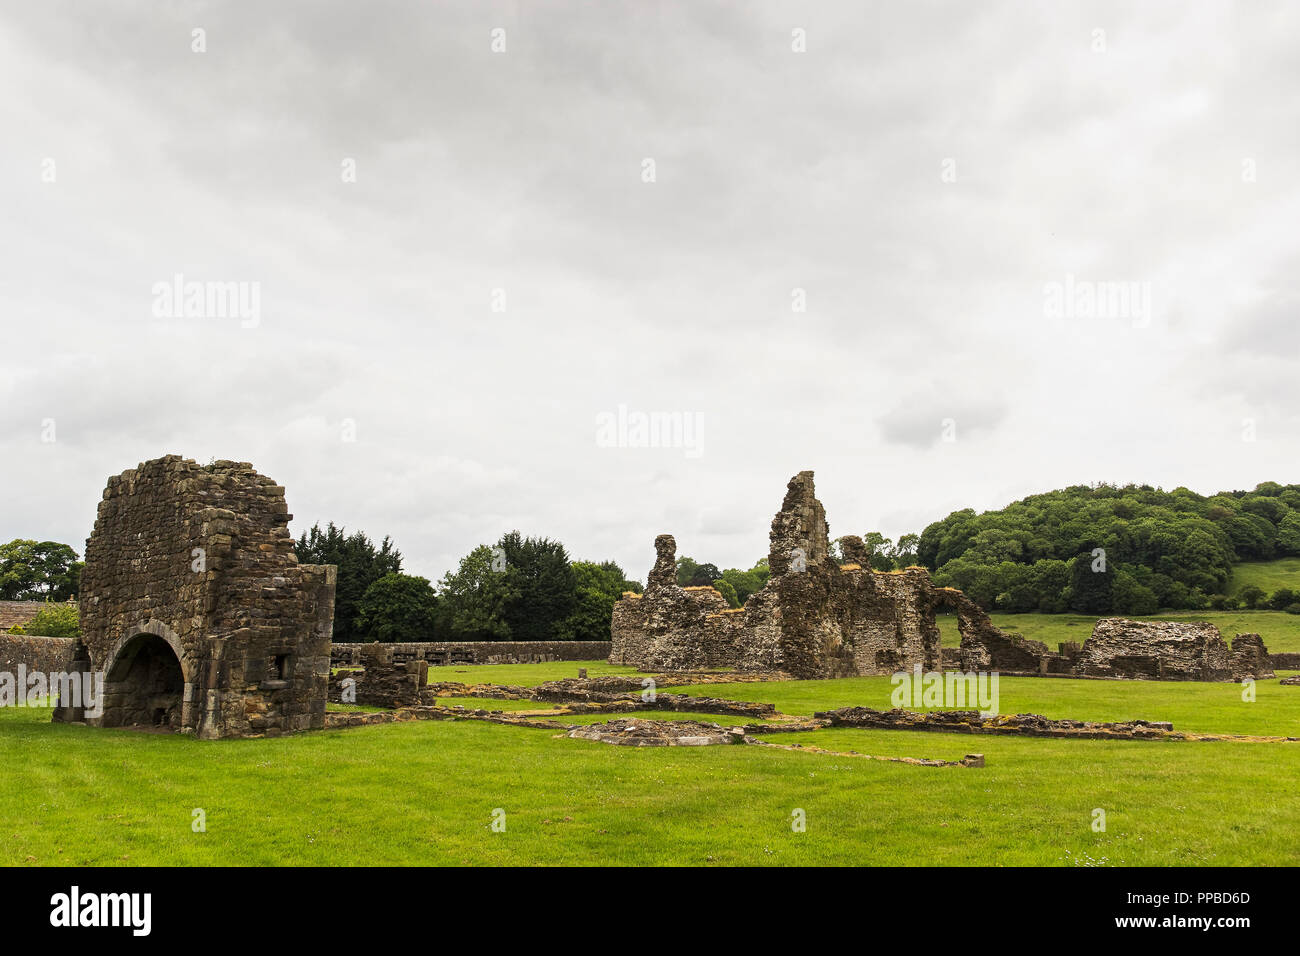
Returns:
<point x="1102" y="549"/>
<point x="518" y="589"/>
<point x="1099" y="549"/>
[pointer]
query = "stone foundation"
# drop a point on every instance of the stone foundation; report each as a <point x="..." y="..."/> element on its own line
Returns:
<point x="382" y="682"/>
<point x="971" y="722"/>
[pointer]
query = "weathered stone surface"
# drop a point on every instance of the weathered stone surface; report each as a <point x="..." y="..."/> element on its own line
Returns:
<point x="1249" y="658"/>
<point x="1170" y="650"/>
<point x="440" y="653"/>
<point x="381" y="682"/>
<point x="660" y="733"/>
<point x="985" y="647"/>
<point x="195" y="608"/>
<point x="971" y="722"/>
<point x="814" y="617"/>
<point x="49" y="655"/>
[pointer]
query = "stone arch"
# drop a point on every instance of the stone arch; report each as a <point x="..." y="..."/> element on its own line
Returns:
<point x="158" y="629"/>
<point x="145" y="683"/>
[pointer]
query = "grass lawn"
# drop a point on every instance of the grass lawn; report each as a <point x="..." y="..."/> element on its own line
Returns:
<point x="1190" y="706"/>
<point x="1268" y="575"/>
<point x="423" y="792"/>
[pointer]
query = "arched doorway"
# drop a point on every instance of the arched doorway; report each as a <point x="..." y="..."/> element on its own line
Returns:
<point x="145" y="685"/>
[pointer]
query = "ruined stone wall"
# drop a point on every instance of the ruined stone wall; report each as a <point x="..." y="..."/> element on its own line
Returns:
<point x="985" y="647"/>
<point x="439" y="653"/>
<point x="1249" y="658"/>
<point x="50" y="655"/>
<point x="1170" y="650"/>
<point x="198" y="560"/>
<point x="382" y="682"/>
<point x="813" y="618"/>
<point x="816" y="618"/>
<point x="670" y="625"/>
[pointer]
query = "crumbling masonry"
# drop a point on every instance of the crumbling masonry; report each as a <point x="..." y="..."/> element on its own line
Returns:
<point x="817" y="618"/>
<point x="814" y="618"/>
<point x="195" y="609"/>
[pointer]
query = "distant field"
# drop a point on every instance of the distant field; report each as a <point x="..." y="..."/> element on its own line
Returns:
<point x="1268" y="575"/>
<point x="1280" y="631"/>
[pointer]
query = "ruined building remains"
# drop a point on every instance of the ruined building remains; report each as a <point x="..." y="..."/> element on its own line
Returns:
<point x="195" y="609"/>
<point x="1170" y="650"/>
<point x="1131" y="650"/>
<point x="815" y="617"/>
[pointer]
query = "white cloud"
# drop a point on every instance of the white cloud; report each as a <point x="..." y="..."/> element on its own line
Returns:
<point x="819" y="171"/>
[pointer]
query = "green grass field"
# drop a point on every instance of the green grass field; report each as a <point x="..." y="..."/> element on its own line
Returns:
<point x="424" y="792"/>
<point x="1268" y="575"/>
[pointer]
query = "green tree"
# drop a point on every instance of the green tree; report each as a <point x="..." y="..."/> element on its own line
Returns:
<point x="905" y="551"/>
<point x="360" y="564"/>
<point x="1281" y="599"/>
<point x="1091" y="590"/>
<point x="692" y="574"/>
<point x="599" y="586"/>
<point x="543" y="587"/>
<point x="472" y="599"/>
<point x="880" y="551"/>
<point x="1252" y="596"/>
<point x="1288" y="534"/>
<point x="727" y="591"/>
<point x="55" y="620"/>
<point x="38" y="570"/>
<point x="745" y="583"/>
<point x="398" y="607"/>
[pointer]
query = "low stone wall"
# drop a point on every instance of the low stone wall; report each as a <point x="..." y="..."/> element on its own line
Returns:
<point x="50" y="655"/>
<point x="1285" y="661"/>
<point x="382" y="684"/>
<point x="20" y="612"/>
<point x="970" y="722"/>
<point x="473" y="652"/>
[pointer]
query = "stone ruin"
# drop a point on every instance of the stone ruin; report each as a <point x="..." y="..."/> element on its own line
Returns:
<point x="1129" y="650"/>
<point x="382" y="680"/>
<point x="1170" y="650"/>
<point x="817" y="618"/>
<point x="195" y="609"/>
<point x="814" y="618"/>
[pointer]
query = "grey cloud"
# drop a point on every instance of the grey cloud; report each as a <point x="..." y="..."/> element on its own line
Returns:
<point x="776" y="170"/>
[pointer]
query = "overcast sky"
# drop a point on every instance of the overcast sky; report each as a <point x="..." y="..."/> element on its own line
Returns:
<point x="940" y="187"/>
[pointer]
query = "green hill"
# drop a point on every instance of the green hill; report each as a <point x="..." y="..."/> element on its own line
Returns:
<point x="1107" y="549"/>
